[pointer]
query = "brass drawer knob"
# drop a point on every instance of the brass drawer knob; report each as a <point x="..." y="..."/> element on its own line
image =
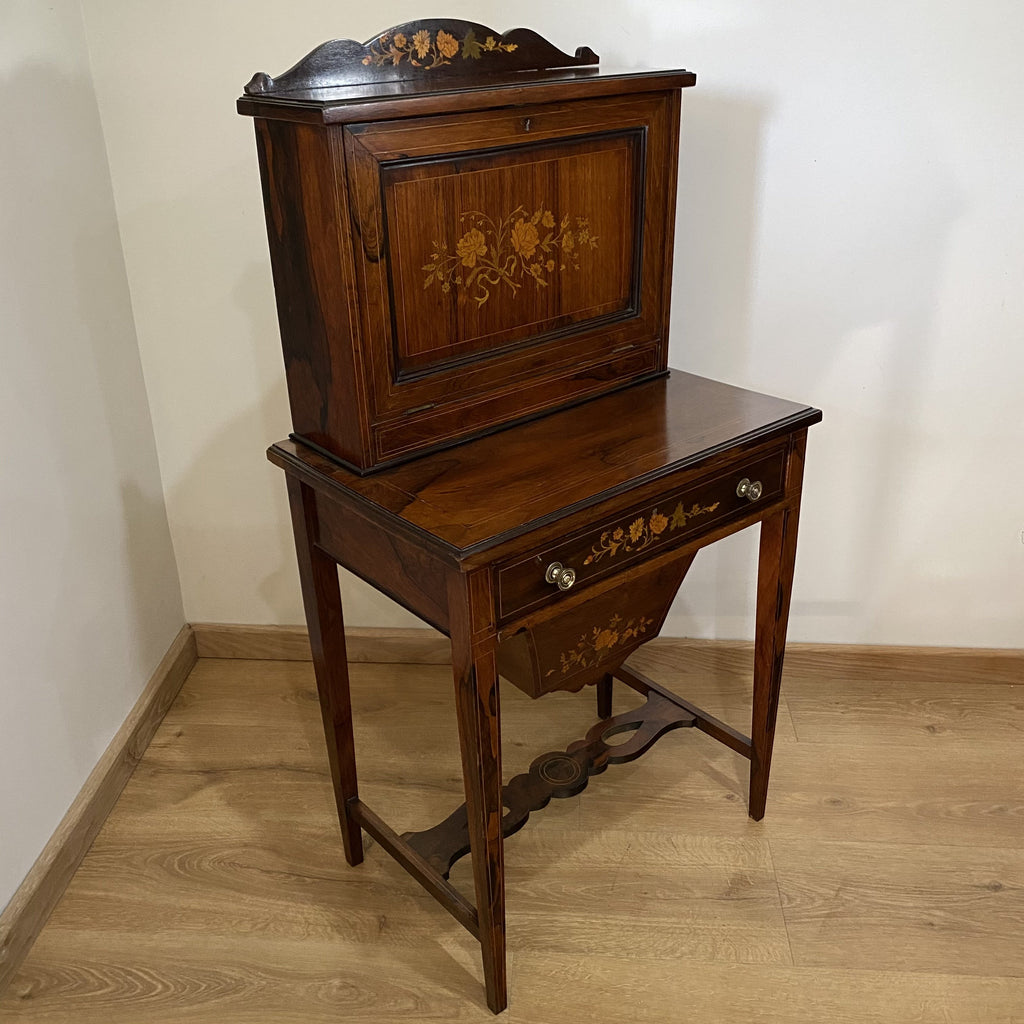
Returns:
<point x="558" y="574"/>
<point x="749" y="489"/>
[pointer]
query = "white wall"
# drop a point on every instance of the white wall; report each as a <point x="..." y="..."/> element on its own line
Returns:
<point x="89" y="594"/>
<point x="849" y="235"/>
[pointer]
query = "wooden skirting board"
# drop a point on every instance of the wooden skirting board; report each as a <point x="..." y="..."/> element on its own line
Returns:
<point x="291" y="643"/>
<point x="428" y="647"/>
<point x="33" y="902"/>
<point x="31" y="905"/>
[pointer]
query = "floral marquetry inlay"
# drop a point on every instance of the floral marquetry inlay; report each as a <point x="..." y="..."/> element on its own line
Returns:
<point x="641" y="532"/>
<point x="524" y="245"/>
<point x="426" y="50"/>
<point x="592" y="648"/>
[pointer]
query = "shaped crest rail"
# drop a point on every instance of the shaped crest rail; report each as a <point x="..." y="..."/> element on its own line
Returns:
<point x="419" y="50"/>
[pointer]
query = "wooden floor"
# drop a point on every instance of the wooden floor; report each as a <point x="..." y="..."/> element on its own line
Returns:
<point x="886" y="883"/>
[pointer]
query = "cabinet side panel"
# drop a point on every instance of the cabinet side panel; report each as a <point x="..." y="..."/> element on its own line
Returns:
<point x="305" y="225"/>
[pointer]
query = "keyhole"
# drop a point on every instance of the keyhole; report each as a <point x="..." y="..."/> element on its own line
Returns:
<point x="526" y="124"/>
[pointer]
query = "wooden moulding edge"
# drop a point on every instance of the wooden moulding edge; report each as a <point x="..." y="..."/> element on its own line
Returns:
<point x="34" y="900"/>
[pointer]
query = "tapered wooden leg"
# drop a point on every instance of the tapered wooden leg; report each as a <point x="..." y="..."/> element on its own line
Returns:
<point x="476" y="700"/>
<point x="774" y="585"/>
<point x="321" y="597"/>
<point x="604" y="698"/>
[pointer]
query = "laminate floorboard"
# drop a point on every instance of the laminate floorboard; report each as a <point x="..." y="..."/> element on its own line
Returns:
<point x="886" y="883"/>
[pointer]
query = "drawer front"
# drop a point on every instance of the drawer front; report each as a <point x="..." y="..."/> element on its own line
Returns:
<point x="501" y="253"/>
<point x="638" y="533"/>
<point x="575" y="648"/>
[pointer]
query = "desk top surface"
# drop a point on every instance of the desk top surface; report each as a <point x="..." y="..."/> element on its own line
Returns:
<point x="482" y="493"/>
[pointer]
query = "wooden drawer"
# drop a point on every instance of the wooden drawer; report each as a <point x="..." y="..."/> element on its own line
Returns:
<point x="632" y="535"/>
<point x="577" y="647"/>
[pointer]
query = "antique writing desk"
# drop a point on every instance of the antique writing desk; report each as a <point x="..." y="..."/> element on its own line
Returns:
<point x="472" y="274"/>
